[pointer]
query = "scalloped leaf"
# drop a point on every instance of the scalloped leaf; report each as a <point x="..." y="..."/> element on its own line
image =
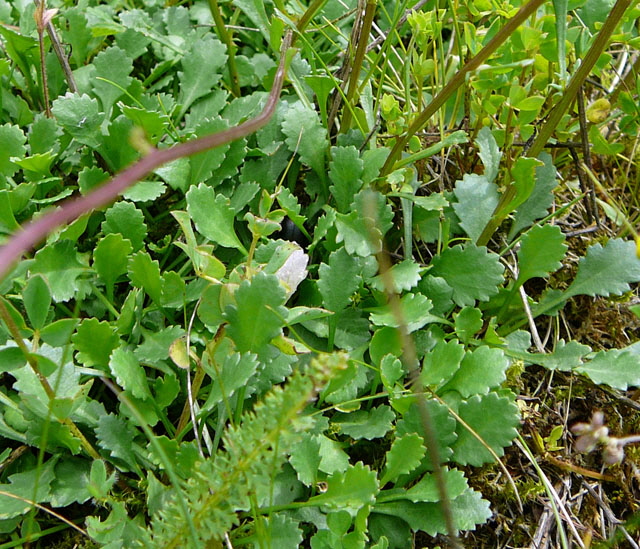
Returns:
<point x="415" y="313"/>
<point x="477" y="200"/>
<point x="116" y="436"/>
<point x="349" y="491"/>
<point x="441" y="363"/>
<point x="129" y="373"/>
<point x="472" y="271"/>
<point x="404" y="456"/>
<point x="345" y="172"/>
<point x="617" y="368"/>
<point x="110" y="258"/>
<point x="258" y="314"/>
<point x="370" y="424"/>
<point x="339" y="280"/>
<point x="60" y="264"/>
<point x="541" y="252"/>
<point x="495" y="419"/>
<point x="306" y="135"/>
<point x="213" y="216"/>
<point x="405" y="275"/>
<point x="201" y="69"/>
<point x="126" y="219"/>
<point x="606" y="270"/>
<point x="480" y="371"/>
<point x="94" y="341"/>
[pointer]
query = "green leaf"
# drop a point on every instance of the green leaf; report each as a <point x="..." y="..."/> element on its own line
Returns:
<point x="116" y="436"/>
<point x="523" y="176"/>
<point x="11" y="358"/>
<point x="306" y="135"/>
<point x="415" y="313"/>
<point x="156" y="344"/>
<point x="358" y="239"/>
<point x="441" y="363"/>
<point x="78" y="34"/>
<point x="144" y="272"/>
<point x="60" y="265"/>
<point x="541" y="252"/>
<point x="32" y="485"/>
<point x="58" y="333"/>
<point x="617" y="368"/>
<point x="366" y="424"/>
<point x="349" y="491"/>
<point x="606" y="270"/>
<point x="124" y="218"/>
<point x="70" y="483"/>
<point x="204" y="164"/>
<point x="110" y="258"/>
<point x="176" y="174"/>
<point x="44" y="135"/>
<point x="80" y="116"/>
<point x="479" y="371"/>
<point x="404" y="456"/>
<point x="468" y="510"/>
<point x="200" y="70"/>
<point x="443" y="424"/>
<point x="473" y="272"/>
<point x="36" y="297"/>
<point x="258" y="315"/>
<point x="89" y="178"/>
<point x="114" y="65"/>
<point x="129" y="373"/>
<point x="426" y="490"/>
<point x="305" y="459"/>
<point x="332" y="457"/>
<point x="494" y="419"/>
<point x="233" y="373"/>
<point x="467" y="323"/>
<point x="283" y="532"/>
<point x="94" y="341"/>
<point x="12" y="141"/>
<point x="565" y="357"/>
<point x="339" y="280"/>
<point x="213" y="216"/>
<point x="489" y="153"/>
<point x="405" y="275"/>
<point x="345" y="172"/>
<point x="145" y="191"/>
<point x="477" y="200"/>
<point x="540" y="199"/>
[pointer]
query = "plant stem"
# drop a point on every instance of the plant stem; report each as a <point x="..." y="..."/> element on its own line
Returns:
<point x="39" y="16"/>
<point x="458" y="79"/>
<point x="358" y="61"/>
<point x="227" y="39"/>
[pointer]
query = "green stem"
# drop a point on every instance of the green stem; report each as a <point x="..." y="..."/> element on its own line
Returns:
<point x="358" y="61"/>
<point x="227" y="38"/>
<point x="458" y="79"/>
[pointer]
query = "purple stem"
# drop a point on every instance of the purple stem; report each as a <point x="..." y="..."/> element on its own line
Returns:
<point x="35" y="231"/>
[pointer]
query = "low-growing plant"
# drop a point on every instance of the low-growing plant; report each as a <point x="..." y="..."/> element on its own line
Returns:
<point x="283" y="333"/>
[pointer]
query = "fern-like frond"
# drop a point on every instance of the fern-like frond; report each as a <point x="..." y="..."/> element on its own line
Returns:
<point x="224" y="484"/>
